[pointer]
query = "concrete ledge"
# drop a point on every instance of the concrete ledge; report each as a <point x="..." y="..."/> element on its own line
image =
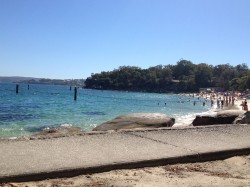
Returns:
<point x="72" y="172"/>
<point x="69" y="156"/>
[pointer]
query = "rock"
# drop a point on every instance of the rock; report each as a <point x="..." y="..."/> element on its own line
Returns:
<point x="137" y="120"/>
<point x="221" y="117"/>
<point x="243" y="119"/>
<point x="56" y="132"/>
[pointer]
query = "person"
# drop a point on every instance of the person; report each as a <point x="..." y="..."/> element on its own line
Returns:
<point x="233" y="99"/>
<point x="212" y="102"/>
<point x="218" y="103"/>
<point x="226" y="100"/>
<point x="245" y="107"/>
<point x="242" y="105"/>
<point x="222" y="103"/>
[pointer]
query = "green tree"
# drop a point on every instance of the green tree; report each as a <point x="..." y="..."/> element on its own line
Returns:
<point x="187" y="77"/>
<point x="182" y="69"/>
<point x="203" y="75"/>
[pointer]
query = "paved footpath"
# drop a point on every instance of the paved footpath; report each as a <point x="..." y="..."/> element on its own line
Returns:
<point x="69" y="156"/>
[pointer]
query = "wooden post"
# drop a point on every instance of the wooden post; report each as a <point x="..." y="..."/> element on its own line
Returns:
<point x="28" y="86"/>
<point x="75" y="94"/>
<point x="17" y="89"/>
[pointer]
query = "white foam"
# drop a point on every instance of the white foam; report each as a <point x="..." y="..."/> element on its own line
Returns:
<point x="186" y="120"/>
<point x="66" y="125"/>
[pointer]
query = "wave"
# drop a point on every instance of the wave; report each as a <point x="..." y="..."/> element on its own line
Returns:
<point x="187" y="120"/>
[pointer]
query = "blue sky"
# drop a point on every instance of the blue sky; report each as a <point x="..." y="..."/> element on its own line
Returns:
<point x="74" y="38"/>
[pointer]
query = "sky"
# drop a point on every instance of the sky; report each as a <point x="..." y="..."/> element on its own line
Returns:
<point x="70" y="39"/>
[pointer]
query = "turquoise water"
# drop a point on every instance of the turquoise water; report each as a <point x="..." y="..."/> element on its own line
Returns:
<point x="44" y="106"/>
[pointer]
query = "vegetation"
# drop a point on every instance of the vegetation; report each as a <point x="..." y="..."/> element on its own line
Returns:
<point x="182" y="77"/>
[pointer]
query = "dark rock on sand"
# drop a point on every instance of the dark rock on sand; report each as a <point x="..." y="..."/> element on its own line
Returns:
<point x="221" y="117"/>
<point x="137" y="120"/>
<point x="243" y="119"/>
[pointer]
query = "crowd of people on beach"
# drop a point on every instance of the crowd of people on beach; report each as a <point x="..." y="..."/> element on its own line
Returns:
<point x="224" y="99"/>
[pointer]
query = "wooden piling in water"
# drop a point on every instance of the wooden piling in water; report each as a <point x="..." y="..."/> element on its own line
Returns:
<point x="75" y="93"/>
<point x="17" y="89"/>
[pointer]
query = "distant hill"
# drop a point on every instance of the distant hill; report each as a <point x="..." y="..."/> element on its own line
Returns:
<point x="11" y="79"/>
<point x="32" y="80"/>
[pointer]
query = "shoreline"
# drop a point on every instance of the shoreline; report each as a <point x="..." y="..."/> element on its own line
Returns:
<point x="186" y="121"/>
<point x="67" y="131"/>
<point x="213" y="110"/>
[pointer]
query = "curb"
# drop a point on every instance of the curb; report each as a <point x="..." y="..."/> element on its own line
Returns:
<point x="91" y="133"/>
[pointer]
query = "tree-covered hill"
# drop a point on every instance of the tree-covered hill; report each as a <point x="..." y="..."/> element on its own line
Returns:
<point x="182" y="77"/>
<point x="32" y="80"/>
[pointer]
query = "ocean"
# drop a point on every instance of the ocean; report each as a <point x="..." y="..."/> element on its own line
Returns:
<point x="46" y="106"/>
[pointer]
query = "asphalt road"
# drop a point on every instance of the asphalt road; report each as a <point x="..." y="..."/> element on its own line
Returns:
<point x="24" y="160"/>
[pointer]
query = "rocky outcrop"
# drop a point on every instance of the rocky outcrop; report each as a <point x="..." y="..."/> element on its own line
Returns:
<point x="137" y="120"/>
<point x="55" y="132"/>
<point x="243" y="119"/>
<point x="221" y="117"/>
